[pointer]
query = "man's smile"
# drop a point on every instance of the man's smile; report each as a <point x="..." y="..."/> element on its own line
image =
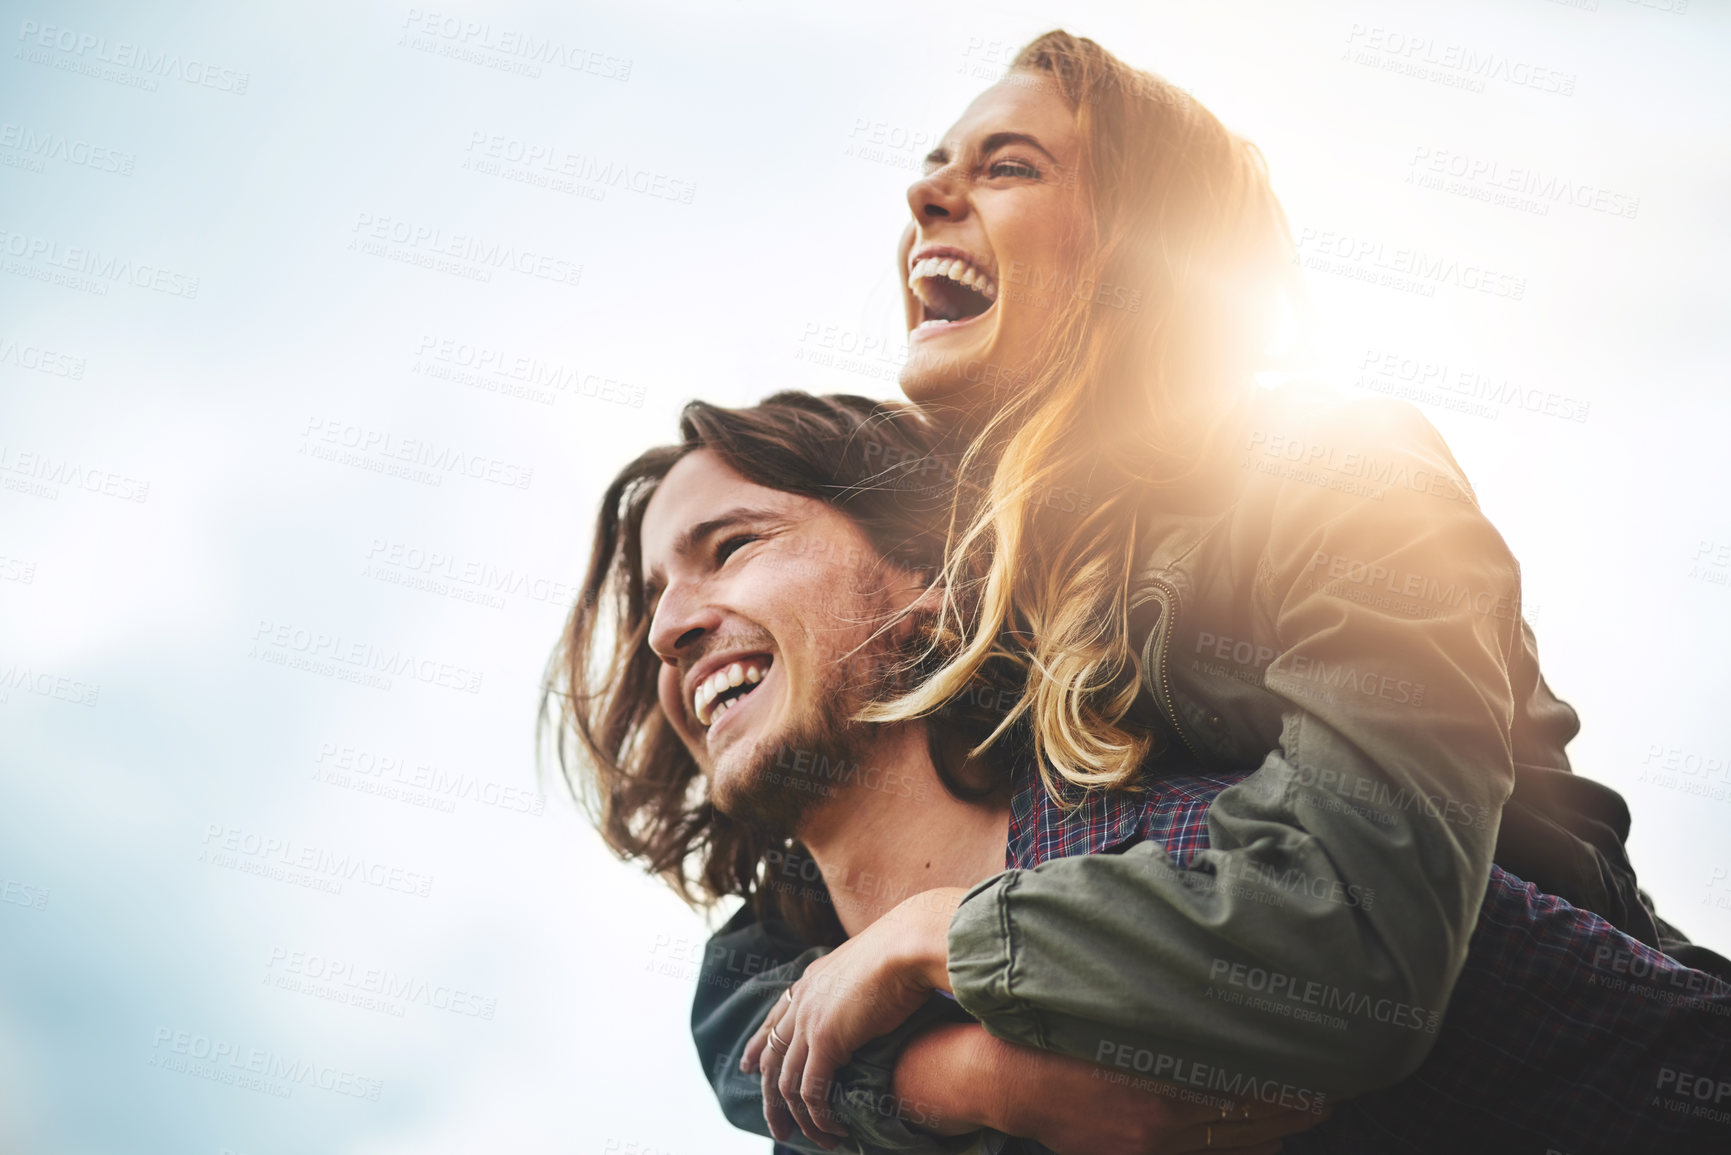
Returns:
<point x="719" y="684"/>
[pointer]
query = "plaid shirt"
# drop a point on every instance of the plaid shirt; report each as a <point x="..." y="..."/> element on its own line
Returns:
<point x="1563" y="1036"/>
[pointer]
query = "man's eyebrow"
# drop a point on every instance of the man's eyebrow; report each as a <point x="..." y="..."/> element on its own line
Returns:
<point x="941" y="155"/>
<point x="693" y="537"/>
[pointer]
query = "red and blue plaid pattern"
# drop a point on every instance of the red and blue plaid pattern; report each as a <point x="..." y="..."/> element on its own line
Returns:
<point x="1563" y="1035"/>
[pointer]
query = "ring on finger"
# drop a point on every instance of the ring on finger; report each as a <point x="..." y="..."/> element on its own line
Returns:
<point x="777" y="1043"/>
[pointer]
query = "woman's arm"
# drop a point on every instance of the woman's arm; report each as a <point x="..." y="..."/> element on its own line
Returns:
<point x="942" y="1084"/>
<point x="1318" y="938"/>
<point x="1078" y="1108"/>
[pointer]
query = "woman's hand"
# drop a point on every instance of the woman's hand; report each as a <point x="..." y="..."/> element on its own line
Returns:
<point x="865" y="988"/>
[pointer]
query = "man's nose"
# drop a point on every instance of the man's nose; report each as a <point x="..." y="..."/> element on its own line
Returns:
<point x="682" y="618"/>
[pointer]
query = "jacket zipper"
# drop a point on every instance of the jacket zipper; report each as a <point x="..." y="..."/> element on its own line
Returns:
<point x="1168" y="607"/>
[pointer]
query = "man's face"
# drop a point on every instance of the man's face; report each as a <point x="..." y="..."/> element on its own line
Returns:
<point x="764" y="605"/>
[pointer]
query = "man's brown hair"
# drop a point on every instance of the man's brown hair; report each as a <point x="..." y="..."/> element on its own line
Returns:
<point x="873" y="460"/>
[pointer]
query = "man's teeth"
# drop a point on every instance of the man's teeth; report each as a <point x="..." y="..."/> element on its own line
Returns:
<point x="958" y="271"/>
<point x="703" y="698"/>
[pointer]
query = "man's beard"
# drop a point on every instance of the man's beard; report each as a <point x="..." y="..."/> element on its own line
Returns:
<point x="788" y="779"/>
<point x="811" y="762"/>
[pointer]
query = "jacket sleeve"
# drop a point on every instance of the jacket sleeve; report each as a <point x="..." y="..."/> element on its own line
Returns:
<point x="746" y="967"/>
<point x="1313" y="947"/>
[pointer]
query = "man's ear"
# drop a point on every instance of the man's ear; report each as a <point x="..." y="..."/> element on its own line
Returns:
<point x="916" y="595"/>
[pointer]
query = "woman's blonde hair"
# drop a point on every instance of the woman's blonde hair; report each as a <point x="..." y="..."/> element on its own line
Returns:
<point x="1190" y="246"/>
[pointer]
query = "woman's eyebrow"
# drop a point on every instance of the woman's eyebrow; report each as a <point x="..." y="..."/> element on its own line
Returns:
<point x="941" y="154"/>
<point x="999" y="139"/>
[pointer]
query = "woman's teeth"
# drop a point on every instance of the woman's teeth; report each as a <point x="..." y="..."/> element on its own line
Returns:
<point x="703" y="698"/>
<point x="961" y="272"/>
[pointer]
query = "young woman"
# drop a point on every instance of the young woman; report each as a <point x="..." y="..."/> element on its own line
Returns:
<point x="1162" y="556"/>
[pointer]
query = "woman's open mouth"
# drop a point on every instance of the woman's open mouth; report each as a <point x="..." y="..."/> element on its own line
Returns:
<point x="951" y="291"/>
<point x="722" y="690"/>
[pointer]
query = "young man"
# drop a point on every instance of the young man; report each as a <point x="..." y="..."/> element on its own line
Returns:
<point x="743" y="581"/>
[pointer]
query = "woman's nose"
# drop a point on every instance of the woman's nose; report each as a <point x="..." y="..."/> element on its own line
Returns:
<point x="939" y="195"/>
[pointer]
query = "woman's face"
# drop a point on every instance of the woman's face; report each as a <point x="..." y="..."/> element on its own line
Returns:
<point x="989" y="256"/>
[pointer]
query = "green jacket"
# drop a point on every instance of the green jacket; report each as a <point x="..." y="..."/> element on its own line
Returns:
<point x="1327" y="605"/>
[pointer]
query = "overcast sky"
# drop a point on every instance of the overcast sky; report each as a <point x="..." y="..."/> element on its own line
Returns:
<point x="253" y="290"/>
